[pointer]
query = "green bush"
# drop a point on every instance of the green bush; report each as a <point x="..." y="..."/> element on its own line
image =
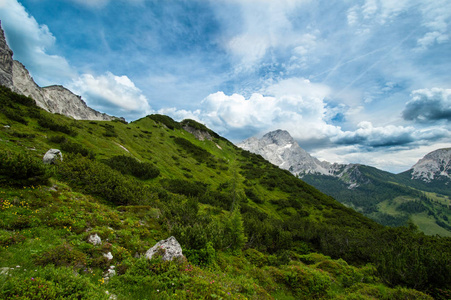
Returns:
<point x="110" y="131"/>
<point x="96" y="178"/>
<point x="58" y="139"/>
<point x="198" y="153"/>
<point x="165" y="120"/>
<point x="14" y="115"/>
<point x="304" y="282"/>
<point x="63" y="255"/>
<point x="52" y="124"/>
<point x="22" y="169"/>
<point x="184" y="187"/>
<point x="47" y="284"/>
<point x="129" y="165"/>
<point x="76" y="148"/>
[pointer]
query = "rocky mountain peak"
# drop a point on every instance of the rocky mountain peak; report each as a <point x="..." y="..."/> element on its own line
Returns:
<point x="278" y="137"/>
<point x="434" y="165"/>
<point x="54" y="99"/>
<point x="279" y="148"/>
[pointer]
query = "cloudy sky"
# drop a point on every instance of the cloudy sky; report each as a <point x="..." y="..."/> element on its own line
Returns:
<point x="353" y="81"/>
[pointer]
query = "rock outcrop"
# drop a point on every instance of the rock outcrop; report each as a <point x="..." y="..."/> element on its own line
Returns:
<point x="52" y="156"/>
<point x="169" y="249"/>
<point x="201" y="135"/>
<point x="54" y="99"/>
<point x="94" y="239"/>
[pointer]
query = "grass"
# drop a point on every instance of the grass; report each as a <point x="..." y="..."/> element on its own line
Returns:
<point x="45" y="229"/>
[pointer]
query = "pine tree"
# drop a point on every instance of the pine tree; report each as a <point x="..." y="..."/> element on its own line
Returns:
<point x="237" y="237"/>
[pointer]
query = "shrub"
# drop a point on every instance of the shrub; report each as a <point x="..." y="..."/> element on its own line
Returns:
<point x="304" y="282"/>
<point x="76" y="148"/>
<point x="165" y="120"/>
<point x="13" y="115"/>
<point x="52" y="124"/>
<point x="184" y="187"/>
<point x="96" y="178"/>
<point x="110" y="131"/>
<point x="62" y="255"/>
<point x="49" y="283"/>
<point x="58" y="139"/>
<point x="129" y="165"/>
<point x="22" y="169"/>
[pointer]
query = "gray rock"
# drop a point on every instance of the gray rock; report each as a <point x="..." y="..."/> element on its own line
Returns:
<point x="108" y="255"/>
<point x="6" y="62"/>
<point x="201" y="135"/>
<point x="52" y="156"/>
<point x="169" y="249"/>
<point x="94" y="239"/>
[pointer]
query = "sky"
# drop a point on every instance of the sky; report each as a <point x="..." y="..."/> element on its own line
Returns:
<point x="364" y="81"/>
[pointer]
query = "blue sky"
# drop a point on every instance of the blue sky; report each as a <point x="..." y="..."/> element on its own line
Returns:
<point x="352" y="81"/>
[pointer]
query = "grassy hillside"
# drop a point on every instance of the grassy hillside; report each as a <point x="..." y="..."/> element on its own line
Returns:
<point x="392" y="200"/>
<point x="248" y="229"/>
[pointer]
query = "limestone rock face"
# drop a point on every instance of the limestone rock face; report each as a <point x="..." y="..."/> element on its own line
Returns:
<point x="199" y="134"/>
<point x="52" y="156"/>
<point x="436" y="165"/>
<point x="169" y="248"/>
<point x="6" y="62"/>
<point x="54" y="99"/>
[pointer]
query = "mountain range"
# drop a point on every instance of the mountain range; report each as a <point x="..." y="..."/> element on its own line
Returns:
<point x="420" y="194"/>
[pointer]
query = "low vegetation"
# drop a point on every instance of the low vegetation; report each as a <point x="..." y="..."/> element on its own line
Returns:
<point x="248" y="230"/>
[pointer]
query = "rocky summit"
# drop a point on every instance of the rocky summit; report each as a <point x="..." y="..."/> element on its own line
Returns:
<point x="279" y="148"/>
<point x="54" y="99"/>
<point x="433" y="166"/>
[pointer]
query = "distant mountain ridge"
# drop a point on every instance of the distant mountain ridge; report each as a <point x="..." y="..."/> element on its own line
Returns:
<point x="54" y="99"/>
<point x="390" y="199"/>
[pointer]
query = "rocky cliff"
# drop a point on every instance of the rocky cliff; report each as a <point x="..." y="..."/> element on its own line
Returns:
<point x="54" y="99"/>
<point x="6" y="62"/>
<point x="435" y="165"/>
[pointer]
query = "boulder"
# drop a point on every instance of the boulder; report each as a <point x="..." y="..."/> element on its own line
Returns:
<point x="108" y="255"/>
<point x="52" y="156"/>
<point x="94" y="239"/>
<point x="169" y="249"/>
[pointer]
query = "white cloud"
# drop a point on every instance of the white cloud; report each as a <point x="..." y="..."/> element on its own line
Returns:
<point x="100" y="3"/>
<point x="428" y="105"/>
<point x="435" y="18"/>
<point x="265" y="25"/>
<point x="296" y="105"/>
<point x="368" y="135"/>
<point x="113" y="94"/>
<point x="31" y="43"/>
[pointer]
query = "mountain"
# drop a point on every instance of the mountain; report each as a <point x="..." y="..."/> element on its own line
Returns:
<point x="421" y="194"/>
<point x="435" y="166"/>
<point x="247" y="228"/>
<point x="281" y="149"/>
<point x="54" y="99"/>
